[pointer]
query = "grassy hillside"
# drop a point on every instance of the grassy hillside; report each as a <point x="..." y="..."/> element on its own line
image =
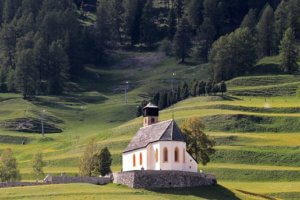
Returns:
<point x="256" y="128"/>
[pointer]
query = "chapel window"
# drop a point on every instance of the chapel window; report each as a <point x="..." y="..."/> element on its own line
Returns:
<point x="176" y="154"/>
<point x="133" y="159"/>
<point x="165" y="154"/>
<point x="156" y="155"/>
<point x="141" y="159"/>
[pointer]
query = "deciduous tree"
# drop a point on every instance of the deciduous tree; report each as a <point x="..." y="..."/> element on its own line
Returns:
<point x="38" y="165"/>
<point x="8" y="167"/>
<point x="199" y="145"/>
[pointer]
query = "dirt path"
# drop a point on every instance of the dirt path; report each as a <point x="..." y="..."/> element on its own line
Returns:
<point x="141" y="60"/>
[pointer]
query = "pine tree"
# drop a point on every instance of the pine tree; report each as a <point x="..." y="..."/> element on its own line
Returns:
<point x="102" y="163"/>
<point x="26" y="73"/>
<point x="215" y="88"/>
<point x="201" y="88"/>
<point x="223" y="87"/>
<point x="11" y="80"/>
<point x="148" y="27"/>
<point x="208" y="88"/>
<point x="41" y="55"/>
<point x="179" y="8"/>
<point x="156" y="97"/>
<point x="293" y="16"/>
<point x="205" y="38"/>
<point x="178" y="93"/>
<point x="132" y="16"/>
<point x="58" y="68"/>
<point x="249" y="20"/>
<point x="117" y="19"/>
<point x="8" y="42"/>
<point x="10" y="8"/>
<point x="104" y="25"/>
<point x="171" y="24"/>
<point x="266" y="33"/>
<point x="182" y="40"/>
<point x="195" y="13"/>
<point x="163" y="100"/>
<point x="281" y="19"/>
<point x="288" y="52"/>
<point x="194" y="88"/>
<point x="185" y="92"/>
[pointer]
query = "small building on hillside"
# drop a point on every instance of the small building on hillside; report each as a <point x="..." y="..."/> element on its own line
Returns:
<point x="158" y="146"/>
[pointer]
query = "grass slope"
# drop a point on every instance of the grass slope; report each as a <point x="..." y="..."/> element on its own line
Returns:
<point x="258" y="137"/>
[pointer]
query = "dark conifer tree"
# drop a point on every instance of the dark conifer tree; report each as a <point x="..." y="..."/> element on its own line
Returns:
<point x="58" y="68"/>
<point x="179" y="8"/>
<point x="163" y="100"/>
<point x="201" y="88"/>
<point x="205" y="38"/>
<point x="104" y="26"/>
<point x="223" y="87"/>
<point x="288" y="52"/>
<point x="182" y="40"/>
<point x="194" y="88"/>
<point x="281" y="19"/>
<point x="266" y="33"/>
<point x="250" y="20"/>
<point x="26" y="74"/>
<point x="148" y="27"/>
<point x="208" y="88"/>
<point x="105" y="161"/>
<point x="293" y="16"/>
<point x="178" y="93"/>
<point x="195" y="13"/>
<point x="171" y="24"/>
<point x="185" y="92"/>
<point x="155" y="100"/>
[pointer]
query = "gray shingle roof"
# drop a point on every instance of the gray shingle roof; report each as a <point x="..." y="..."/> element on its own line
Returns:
<point x="163" y="131"/>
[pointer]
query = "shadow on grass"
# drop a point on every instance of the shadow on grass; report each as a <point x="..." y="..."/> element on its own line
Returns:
<point x="207" y="192"/>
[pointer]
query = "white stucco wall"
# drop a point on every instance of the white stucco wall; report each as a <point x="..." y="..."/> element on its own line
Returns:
<point x="127" y="160"/>
<point x="149" y="158"/>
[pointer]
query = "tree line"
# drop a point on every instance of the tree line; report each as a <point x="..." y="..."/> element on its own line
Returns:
<point x="164" y="99"/>
<point x="93" y="162"/>
<point x="46" y="43"/>
<point x="274" y="33"/>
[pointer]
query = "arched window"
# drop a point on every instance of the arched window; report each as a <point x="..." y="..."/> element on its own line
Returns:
<point x="133" y="160"/>
<point x="141" y="159"/>
<point x="156" y="155"/>
<point x="165" y="154"/>
<point x="176" y="155"/>
<point x="183" y="155"/>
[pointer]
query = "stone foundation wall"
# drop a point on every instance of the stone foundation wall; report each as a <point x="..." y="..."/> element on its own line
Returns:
<point x="163" y="179"/>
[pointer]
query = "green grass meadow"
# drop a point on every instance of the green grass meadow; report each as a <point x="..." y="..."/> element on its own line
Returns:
<point x="256" y="127"/>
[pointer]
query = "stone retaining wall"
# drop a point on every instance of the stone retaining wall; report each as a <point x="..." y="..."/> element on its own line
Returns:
<point x="60" y="180"/>
<point x="163" y="179"/>
<point x="20" y="184"/>
<point x="68" y="179"/>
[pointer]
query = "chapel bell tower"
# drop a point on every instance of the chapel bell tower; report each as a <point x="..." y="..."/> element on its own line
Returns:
<point x="150" y="114"/>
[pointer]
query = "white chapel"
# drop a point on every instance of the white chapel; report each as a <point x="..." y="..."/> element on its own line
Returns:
<point x="158" y="146"/>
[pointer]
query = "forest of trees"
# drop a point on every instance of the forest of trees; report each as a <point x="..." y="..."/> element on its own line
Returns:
<point x="46" y="43"/>
<point x="164" y="99"/>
